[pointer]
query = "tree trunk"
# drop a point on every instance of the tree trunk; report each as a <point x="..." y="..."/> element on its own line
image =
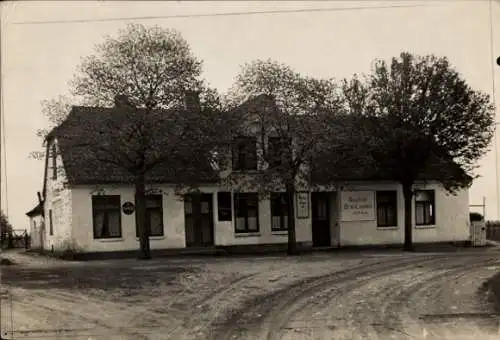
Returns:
<point x="408" y="235"/>
<point x="140" y="217"/>
<point x="292" y="242"/>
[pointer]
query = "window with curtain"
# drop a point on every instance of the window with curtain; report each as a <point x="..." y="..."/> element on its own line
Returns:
<point x="387" y="208"/>
<point x="224" y="206"/>
<point x="279" y="212"/>
<point x="425" y="207"/>
<point x="246" y="207"/>
<point x="107" y="216"/>
<point x="154" y="215"/>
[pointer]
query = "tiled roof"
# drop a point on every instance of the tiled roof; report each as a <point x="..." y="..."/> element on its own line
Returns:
<point x="355" y="171"/>
<point x="83" y="167"/>
<point x="82" y="164"/>
<point x="348" y="165"/>
<point x="356" y="166"/>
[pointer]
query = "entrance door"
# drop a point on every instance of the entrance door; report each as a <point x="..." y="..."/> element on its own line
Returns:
<point x="320" y="219"/>
<point x="198" y="220"/>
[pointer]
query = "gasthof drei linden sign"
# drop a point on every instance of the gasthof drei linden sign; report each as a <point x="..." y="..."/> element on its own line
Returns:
<point x="357" y="205"/>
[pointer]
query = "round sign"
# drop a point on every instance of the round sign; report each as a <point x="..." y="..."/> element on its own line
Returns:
<point x="128" y="208"/>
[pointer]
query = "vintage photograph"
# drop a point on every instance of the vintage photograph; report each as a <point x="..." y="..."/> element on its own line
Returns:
<point x="262" y="170"/>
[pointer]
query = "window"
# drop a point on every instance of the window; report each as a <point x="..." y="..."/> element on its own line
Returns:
<point x="245" y="153"/>
<point x="154" y="215"/>
<point x="224" y="206"/>
<point x="51" y="225"/>
<point x="54" y="161"/>
<point x="321" y="211"/>
<point x="279" y="212"/>
<point x="246" y="207"/>
<point x="276" y="148"/>
<point x="188" y="205"/>
<point x="424" y="207"/>
<point x="387" y="208"/>
<point x="106" y="216"/>
<point x="274" y="151"/>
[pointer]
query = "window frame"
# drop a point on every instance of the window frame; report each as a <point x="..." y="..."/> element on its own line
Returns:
<point x="51" y="223"/>
<point x="224" y="204"/>
<point x="158" y="197"/>
<point x="243" y="163"/>
<point x="54" y="161"/>
<point x="428" y="221"/>
<point x="275" y="149"/>
<point x="391" y="203"/>
<point x="118" y="209"/>
<point x="236" y="201"/>
<point x="284" y="209"/>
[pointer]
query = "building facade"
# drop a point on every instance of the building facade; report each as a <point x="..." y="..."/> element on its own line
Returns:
<point x="359" y="214"/>
<point x="85" y="211"/>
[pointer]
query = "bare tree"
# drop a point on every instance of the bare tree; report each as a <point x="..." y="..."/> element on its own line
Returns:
<point x="147" y="73"/>
<point x="152" y="66"/>
<point x="292" y="115"/>
<point x="418" y="115"/>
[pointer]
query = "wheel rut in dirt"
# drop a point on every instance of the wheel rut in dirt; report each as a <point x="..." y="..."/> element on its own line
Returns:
<point x="192" y="325"/>
<point x="398" y="315"/>
<point x="333" y="288"/>
<point x="267" y="316"/>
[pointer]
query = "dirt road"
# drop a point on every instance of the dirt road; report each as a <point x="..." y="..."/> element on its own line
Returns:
<point x="325" y="296"/>
<point x="415" y="297"/>
<point x="130" y="299"/>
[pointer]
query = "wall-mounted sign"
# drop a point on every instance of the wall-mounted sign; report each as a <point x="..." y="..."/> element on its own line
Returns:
<point x="302" y="202"/>
<point x="357" y="205"/>
<point x="128" y="208"/>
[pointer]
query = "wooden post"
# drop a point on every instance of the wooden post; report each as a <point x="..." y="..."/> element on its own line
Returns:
<point x="26" y="239"/>
<point x="484" y="208"/>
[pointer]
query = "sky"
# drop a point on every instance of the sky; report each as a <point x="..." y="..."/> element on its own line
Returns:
<point x="38" y="59"/>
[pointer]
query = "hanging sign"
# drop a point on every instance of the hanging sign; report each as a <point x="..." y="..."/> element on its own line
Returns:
<point x="128" y="208"/>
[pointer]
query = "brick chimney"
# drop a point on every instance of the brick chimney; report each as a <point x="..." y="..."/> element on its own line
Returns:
<point x="192" y="101"/>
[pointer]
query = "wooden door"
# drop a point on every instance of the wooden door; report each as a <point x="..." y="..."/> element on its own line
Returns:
<point x="320" y="203"/>
<point x="198" y="214"/>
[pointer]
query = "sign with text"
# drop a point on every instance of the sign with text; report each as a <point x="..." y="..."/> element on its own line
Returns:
<point x="302" y="199"/>
<point x="357" y="205"/>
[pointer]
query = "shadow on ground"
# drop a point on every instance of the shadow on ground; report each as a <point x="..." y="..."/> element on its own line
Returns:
<point x="6" y="262"/>
<point x="93" y="277"/>
<point x="491" y="288"/>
